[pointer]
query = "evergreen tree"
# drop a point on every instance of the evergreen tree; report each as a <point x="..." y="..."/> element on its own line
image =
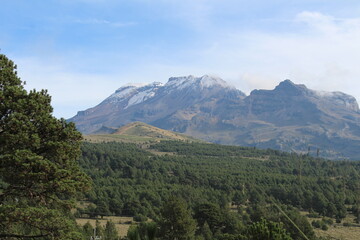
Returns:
<point x="99" y="230"/>
<point x="210" y="214"/>
<point x="133" y="233"/>
<point x="267" y="230"/>
<point x="102" y="209"/>
<point x="110" y="232"/>
<point x="176" y="220"/>
<point x="143" y="231"/>
<point x="205" y="231"/>
<point x="88" y="230"/>
<point x="39" y="174"/>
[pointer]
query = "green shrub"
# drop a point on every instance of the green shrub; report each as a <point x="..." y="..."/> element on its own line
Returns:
<point x="140" y="218"/>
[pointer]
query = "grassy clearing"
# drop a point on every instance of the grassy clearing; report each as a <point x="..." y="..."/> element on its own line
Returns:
<point x="338" y="231"/>
<point x="122" y="223"/>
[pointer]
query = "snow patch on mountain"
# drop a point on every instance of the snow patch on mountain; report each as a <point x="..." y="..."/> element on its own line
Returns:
<point x="209" y="81"/>
<point x="140" y="97"/>
<point x="144" y="94"/>
<point x="180" y="82"/>
<point x="330" y="94"/>
<point x="134" y="93"/>
<point x="121" y="94"/>
<point x="339" y="98"/>
<point x="205" y="81"/>
<point x="137" y="85"/>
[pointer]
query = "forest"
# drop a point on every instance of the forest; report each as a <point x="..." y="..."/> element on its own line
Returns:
<point x="227" y="189"/>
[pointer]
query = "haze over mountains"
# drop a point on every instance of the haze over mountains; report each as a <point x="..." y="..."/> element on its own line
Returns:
<point x="291" y="117"/>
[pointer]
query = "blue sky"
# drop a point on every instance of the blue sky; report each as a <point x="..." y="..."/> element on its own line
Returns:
<point x="83" y="50"/>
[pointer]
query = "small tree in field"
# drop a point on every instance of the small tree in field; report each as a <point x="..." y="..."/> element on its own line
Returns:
<point x="39" y="174"/>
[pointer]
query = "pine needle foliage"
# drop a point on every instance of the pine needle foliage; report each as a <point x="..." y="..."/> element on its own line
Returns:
<point x="39" y="173"/>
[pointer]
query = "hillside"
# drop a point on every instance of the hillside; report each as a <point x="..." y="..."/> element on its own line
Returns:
<point x="138" y="132"/>
<point x="290" y="117"/>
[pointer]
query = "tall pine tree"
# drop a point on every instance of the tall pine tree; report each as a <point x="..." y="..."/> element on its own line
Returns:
<point x="176" y="220"/>
<point x="39" y="173"/>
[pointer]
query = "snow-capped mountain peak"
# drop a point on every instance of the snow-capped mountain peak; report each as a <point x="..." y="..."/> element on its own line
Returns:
<point x="132" y="94"/>
<point x="205" y="81"/>
<point x="210" y="81"/>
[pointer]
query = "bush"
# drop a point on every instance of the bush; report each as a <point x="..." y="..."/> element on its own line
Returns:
<point x="316" y="223"/>
<point x="140" y="218"/>
<point x="324" y="227"/>
<point x="328" y="221"/>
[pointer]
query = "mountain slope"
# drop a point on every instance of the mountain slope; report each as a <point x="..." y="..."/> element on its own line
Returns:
<point x="138" y="132"/>
<point x="290" y="117"/>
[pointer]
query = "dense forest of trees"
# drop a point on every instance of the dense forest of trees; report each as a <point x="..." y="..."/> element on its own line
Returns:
<point x="259" y="185"/>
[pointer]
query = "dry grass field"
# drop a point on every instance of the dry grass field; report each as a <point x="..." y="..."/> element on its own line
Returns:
<point x="122" y="223"/>
<point x="338" y="231"/>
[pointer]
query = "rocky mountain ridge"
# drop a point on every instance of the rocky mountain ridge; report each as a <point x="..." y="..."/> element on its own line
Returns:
<point x="290" y="117"/>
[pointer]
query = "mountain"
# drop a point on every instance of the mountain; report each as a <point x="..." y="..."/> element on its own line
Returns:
<point x="154" y="102"/>
<point x="290" y="117"/>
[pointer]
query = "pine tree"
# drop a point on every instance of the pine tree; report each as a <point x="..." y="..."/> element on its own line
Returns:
<point x="176" y="220"/>
<point x="88" y="230"/>
<point x="110" y="232"/>
<point x="133" y="233"/>
<point x="206" y="232"/>
<point x="39" y="174"/>
<point x="99" y="230"/>
<point x="267" y="230"/>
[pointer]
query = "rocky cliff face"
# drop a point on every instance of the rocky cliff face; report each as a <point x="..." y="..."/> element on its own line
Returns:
<point x="291" y="117"/>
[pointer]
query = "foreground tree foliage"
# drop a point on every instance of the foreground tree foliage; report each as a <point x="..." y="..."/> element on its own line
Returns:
<point x="39" y="174"/>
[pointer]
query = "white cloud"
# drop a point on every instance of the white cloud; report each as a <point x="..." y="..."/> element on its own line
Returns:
<point x="318" y="21"/>
<point x="323" y="54"/>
